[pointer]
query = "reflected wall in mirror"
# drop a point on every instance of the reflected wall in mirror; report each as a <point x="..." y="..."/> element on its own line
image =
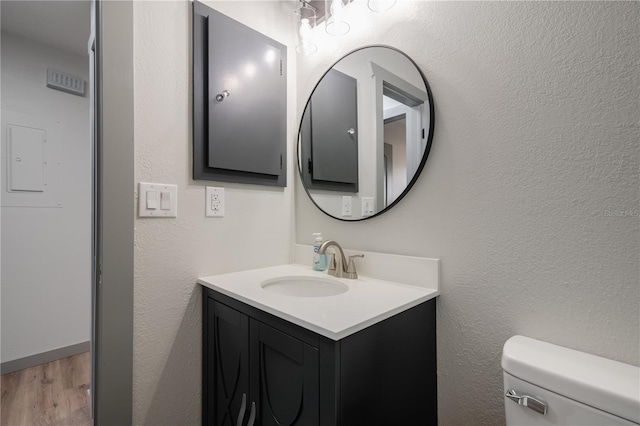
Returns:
<point x="365" y="133"/>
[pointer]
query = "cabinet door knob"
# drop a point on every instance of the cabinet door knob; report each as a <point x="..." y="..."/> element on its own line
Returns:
<point x="243" y="408"/>
<point x="222" y="96"/>
<point x="252" y="415"/>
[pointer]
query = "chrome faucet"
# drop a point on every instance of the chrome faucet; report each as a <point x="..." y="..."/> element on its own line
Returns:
<point x="339" y="268"/>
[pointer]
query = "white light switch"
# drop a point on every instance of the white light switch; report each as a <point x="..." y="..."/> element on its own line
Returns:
<point x="150" y="206"/>
<point x="165" y="200"/>
<point x="214" y="205"/>
<point x="152" y="200"/>
<point x="346" y="205"/>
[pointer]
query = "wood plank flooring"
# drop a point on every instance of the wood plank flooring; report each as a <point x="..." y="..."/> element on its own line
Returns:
<point x="51" y="394"/>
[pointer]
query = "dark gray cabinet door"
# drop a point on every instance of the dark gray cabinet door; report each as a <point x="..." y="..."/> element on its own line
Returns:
<point x="285" y="378"/>
<point x="334" y="129"/>
<point x="227" y="364"/>
<point x="247" y="126"/>
<point x="239" y="102"/>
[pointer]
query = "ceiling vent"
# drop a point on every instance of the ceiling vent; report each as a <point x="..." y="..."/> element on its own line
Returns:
<point x="66" y="82"/>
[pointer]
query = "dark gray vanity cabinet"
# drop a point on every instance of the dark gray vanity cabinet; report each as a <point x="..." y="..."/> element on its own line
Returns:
<point x="239" y="102"/>
<point x="260" y="370"/>
<point x="254" y="370"/>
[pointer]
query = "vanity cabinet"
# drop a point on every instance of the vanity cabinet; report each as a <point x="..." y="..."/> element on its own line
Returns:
<point x="255" y="370"/>
<point x="261" y="370"/>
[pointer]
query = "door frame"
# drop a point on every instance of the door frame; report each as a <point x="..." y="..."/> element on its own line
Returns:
<point x="389" y="84"/>
<point x="114" y="157"/>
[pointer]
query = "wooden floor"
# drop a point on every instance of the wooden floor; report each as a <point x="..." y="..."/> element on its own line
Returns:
<point x="47" y="394"/>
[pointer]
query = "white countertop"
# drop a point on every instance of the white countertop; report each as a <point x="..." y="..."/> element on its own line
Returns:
<point x="367" y="301"/>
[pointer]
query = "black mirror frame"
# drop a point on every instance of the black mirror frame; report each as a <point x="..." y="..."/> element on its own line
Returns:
<point x="425" y="155"/>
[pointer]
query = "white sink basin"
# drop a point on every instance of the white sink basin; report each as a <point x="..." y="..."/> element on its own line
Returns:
<point x="304" y="286"/>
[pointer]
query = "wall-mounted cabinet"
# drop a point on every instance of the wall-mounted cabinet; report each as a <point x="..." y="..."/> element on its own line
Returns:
<point x="329" y="135"/>
<point x="260" y="370"/>
<point x="239" y="102"/>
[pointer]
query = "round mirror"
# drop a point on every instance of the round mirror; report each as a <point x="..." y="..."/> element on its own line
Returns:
<point x="365" y="133"/>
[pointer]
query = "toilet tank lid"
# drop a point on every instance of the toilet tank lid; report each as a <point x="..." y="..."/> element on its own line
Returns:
<point x="602" y="383"/>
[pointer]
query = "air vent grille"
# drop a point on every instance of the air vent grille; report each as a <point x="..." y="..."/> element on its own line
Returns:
<point x="66" y="82"/>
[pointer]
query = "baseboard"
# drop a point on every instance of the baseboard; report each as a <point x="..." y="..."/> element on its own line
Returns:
<point x="44" y="357"/>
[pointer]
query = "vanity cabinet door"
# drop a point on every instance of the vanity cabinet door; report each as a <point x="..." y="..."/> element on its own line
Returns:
<point x="284" y="378"/>
<point x="227" y="365"/>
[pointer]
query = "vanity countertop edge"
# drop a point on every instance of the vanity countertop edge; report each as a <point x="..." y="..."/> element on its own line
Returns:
<point x="367" y="302"/>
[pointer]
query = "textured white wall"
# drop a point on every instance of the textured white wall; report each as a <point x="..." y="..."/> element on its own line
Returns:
<point x="536" y="139"/>
<point x="170" y="254"/>
<point x="46" y="262"/>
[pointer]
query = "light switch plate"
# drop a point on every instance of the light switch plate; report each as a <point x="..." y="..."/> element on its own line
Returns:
<point x="346" y="205"/>
<point x="158" y="205"/>
<point x="367" y="206"/>
<point x="214" y="202"/>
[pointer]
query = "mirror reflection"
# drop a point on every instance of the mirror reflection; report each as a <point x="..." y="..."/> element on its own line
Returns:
<point x="365" y="133"/>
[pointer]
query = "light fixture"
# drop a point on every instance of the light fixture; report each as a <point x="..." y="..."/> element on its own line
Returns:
<point x="380" y="5"/>
<point x="335" y="22"/>
<point x="333" y="13"/>
<point x="305" y="21"/>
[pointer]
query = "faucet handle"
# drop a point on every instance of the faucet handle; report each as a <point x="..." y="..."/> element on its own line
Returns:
<point x="331" y="263"/>
<point x="351" y="269"/>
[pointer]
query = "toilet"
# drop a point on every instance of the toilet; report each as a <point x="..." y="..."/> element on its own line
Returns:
<point x="546" y="384"/>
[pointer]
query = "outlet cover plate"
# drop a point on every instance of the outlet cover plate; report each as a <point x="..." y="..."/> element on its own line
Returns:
<point x="214" y="202"/>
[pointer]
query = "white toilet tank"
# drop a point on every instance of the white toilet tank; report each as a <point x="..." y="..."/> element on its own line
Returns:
<point x="546" y="384"/>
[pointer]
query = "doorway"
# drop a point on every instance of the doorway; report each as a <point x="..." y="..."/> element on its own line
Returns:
<point x="403" y="147"/>
<point x="395" y="157"/>
<point x="401" y="117"/>
<point x="47" y="212"/>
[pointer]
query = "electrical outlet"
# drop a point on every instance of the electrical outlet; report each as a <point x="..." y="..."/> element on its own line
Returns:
<point x="346" y="205"/>
<point x="214" y="202"/>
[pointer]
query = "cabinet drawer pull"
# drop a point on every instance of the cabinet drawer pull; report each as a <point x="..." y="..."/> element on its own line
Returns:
<point x="252" y="415"/>
<point x="243" y="408"/>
